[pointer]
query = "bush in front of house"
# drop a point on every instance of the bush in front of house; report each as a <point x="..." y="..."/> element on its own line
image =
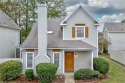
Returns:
<point x="100" y="75"/>
<point x="86" y="73"/>
<point x="29" y="74"/>
<point x="46" y="72"/>
<point x="100" y="65"/>
<point x="10" y="70"/>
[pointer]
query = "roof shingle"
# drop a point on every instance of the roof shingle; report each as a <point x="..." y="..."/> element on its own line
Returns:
<point x="6" y="21"/>
<point x="115" y="27"/>
<point x="54" y="39"/>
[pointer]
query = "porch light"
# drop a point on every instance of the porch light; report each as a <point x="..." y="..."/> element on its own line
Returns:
<point x="76" y="55"/>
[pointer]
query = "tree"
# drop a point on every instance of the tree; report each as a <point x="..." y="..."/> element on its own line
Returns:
<point x="23" y="12"/>
<point x="102" y="43"/>
<point x="123" y="21"/>
<point x="56" y="8"/>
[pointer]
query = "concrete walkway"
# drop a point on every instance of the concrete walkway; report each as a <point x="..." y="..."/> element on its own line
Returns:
<point x="115" y="62"/>
<point x="69" y="78"/>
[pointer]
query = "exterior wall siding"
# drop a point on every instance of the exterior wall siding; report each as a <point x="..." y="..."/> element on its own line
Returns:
<point x="82" y="60"/>
<point x="118" y="56"/>
<point x="81" y="17"/>
<point x="9" y="40"/>
<point x="117" y="41"/>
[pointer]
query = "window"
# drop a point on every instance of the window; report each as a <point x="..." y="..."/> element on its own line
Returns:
<point x="29" y="60"/>
<point x="80" y="31"/>
<point x="56" y="59"/>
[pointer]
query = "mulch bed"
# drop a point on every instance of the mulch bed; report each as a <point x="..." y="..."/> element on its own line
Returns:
<point x="93" y="80"/>
<point x="57" y="79"/>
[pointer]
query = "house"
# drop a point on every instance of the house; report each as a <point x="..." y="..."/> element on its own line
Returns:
<point x="9" y="36"/>
<point x="114" y="33"/>
<point x="70" y="43"/>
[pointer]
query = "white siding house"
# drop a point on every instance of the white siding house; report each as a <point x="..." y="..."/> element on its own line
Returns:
<point x="114" y="33"/>
<point x="9" y="36"/>
<point x="71" y="43"/>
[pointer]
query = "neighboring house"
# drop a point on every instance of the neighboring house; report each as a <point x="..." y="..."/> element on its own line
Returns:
<point x="70" y="43"/>
<point x="9" y="36"/>
<point x="114" y="33"/>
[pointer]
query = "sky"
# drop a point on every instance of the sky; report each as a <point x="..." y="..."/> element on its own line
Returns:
<point x="102" y="10"/>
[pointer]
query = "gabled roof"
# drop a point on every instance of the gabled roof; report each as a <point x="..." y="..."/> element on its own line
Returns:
<point x="55" y="40"/>
<point x="115" y="27"/>
<point x="6" y="21"/>
<point x="79" y="5"/>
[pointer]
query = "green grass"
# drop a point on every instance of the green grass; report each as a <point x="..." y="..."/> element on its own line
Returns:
<point x="104" y="55"/>
<point x="116" y="74"/>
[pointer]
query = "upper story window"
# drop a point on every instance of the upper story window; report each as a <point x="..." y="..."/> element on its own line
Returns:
<point x="80" y="31"/>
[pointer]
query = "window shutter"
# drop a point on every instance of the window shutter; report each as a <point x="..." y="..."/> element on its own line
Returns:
<point x="86" y="32"/>
<point x="73" y="32"/>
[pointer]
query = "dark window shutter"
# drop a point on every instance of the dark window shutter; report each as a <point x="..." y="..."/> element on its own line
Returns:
<point x="73" y="32"/>
<point x="86" y="32"/>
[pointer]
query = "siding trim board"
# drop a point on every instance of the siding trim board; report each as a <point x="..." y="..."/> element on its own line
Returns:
<point x="79" y="24"/>
<point x="29" y="50"/>
<point x="56" y="50"/>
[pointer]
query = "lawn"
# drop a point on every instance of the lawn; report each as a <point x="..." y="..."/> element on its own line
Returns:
<point x="116" y="73"/>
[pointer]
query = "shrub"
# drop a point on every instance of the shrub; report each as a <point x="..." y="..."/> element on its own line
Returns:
<point x="85" y="74"/>
<point x="100" y="65"/>
<point x="10" y="70"/>
<point x="100" y="75"/>
<point x="46" y="72"/>
<point x="29" y="74"/>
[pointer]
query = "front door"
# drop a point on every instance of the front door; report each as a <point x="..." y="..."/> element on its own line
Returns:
<point x="69" y="61"/>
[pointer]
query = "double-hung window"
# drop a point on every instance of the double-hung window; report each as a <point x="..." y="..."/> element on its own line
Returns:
<point x="56" y="59"/>
<point x="29" y="60"/>
<point x="80" y="31"/>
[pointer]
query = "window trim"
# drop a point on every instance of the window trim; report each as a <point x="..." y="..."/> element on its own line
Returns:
<point x="76" y="32"/>
<point x="32" y="61"/>
<point x="59" y="59"/>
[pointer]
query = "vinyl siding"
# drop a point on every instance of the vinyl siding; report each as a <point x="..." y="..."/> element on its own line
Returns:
<point x="9" y="40"/>
<point x="81" y="17"/>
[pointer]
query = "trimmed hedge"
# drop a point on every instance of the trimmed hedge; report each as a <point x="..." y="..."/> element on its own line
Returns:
<point x="46" y="72"/>
<point x="100" y="65"/>
<point x="29" y="74"/>
<point x="10" y="70"/>
<point x="86" y="73"/>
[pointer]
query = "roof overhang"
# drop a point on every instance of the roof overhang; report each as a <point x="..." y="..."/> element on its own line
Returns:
<point x="78" y="49"/>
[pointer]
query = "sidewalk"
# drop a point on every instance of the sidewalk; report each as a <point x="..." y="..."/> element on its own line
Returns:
<point x="69" y="78"/>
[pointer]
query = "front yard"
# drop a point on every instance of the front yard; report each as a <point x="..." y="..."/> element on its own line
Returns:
<point x="116" y="73"/>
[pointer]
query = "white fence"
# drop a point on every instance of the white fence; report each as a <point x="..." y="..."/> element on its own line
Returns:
<point x="8" y="59"/>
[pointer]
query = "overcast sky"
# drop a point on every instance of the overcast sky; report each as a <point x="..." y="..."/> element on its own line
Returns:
<point x="102" y="10"/>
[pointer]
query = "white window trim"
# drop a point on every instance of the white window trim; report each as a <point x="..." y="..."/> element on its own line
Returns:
<point x="76" y="32"/>
<point x="59" y="59"/>
<point x="32" y="62"/>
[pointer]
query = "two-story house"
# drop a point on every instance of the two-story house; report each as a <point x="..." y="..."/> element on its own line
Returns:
<point x="114" y="33"/>
<point x="9" y="36"/>
<point x="70" y="43"/>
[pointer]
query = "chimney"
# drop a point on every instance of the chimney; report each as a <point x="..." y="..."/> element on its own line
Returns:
<point x="42" y="32"/>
